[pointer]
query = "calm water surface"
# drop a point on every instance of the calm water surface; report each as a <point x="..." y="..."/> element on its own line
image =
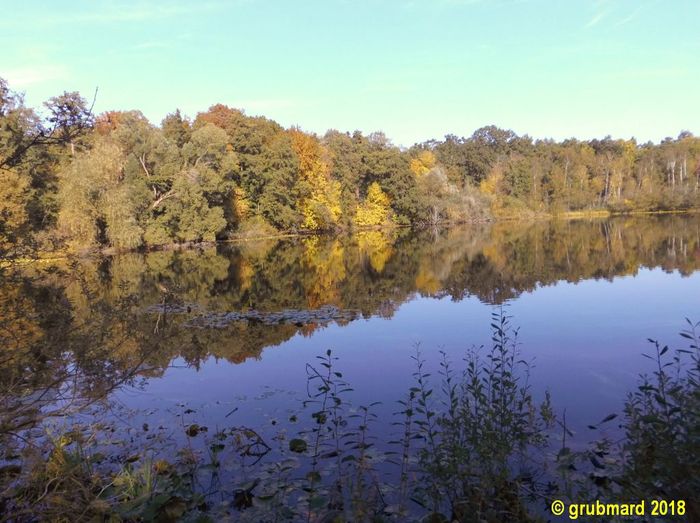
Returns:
<point x="585" y="295"/>
<point x="225" y="334"/>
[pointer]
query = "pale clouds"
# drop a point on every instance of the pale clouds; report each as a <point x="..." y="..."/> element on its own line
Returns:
<point x="596" y="19"/>
<point x="412" y="4"/>
<point x="105" y="13"/>
<point x="618" y="13"/>
<point x="634" y="13"/>
<point x="31" y="75"/>
<point x="145" y="12"/>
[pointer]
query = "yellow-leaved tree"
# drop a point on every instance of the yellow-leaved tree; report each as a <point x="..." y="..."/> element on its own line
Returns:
<point x="423" y="163"/>
<point x="320" y="204"/>
<point x="376" y="209"/>
<point x="240" y="205"/>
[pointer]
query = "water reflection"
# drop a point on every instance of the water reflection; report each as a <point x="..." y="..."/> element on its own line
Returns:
<point x="101" y="322"/>
<point x="175" y="338"/>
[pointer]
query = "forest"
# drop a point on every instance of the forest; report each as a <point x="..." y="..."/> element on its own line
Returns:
<point x="80" y="330"/>
<point x="75" y="181"/>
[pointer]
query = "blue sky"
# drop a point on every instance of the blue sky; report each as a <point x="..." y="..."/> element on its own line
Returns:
<point x="415" y="69"/>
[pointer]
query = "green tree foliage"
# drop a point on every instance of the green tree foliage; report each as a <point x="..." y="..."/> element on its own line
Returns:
<point x="187" y="216"/>
<point x="97" y="205"/>
<point x="70" y="117"/>
<point x="274" y="187"/>
<point x="197" y="184"/>
<point x="14" y="191"/>
<point x="18" y="128"/>
<point x="118" y="181"/>
<point x="345" y="158"/>
<point x="520" y="175"/>
<point x="176" y="129"/>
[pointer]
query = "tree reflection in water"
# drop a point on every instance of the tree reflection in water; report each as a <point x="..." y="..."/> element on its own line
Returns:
<point x="73" y="331"/>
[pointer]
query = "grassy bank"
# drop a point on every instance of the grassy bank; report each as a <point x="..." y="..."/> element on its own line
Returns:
<point x="604" y="213"/>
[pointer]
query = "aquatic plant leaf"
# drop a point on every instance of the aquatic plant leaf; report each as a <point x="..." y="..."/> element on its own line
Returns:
<point x="298" y="445"/>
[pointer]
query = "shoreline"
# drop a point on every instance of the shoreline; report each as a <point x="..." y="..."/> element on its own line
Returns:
<point x="590" y="214"/>
<point x="54" y="256"/>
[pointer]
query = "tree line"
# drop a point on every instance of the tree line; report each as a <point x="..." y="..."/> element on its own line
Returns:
<point x="72" y="179"/>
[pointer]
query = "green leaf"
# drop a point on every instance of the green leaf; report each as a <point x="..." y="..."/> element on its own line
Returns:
<point x="298" y="445"/>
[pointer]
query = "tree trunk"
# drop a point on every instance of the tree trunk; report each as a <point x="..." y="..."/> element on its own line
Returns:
<point x="672" y="173"/>
<point x="607" y="185"/>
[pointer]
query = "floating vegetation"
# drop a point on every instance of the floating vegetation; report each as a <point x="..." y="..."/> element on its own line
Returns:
<point x="173" y="308"/>
<point x="469" y="440"/>
<point x="219" y="320"/>
<point x="468" y="445"/>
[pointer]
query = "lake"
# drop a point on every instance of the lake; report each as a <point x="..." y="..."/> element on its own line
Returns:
<point x="222" y="336"/>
